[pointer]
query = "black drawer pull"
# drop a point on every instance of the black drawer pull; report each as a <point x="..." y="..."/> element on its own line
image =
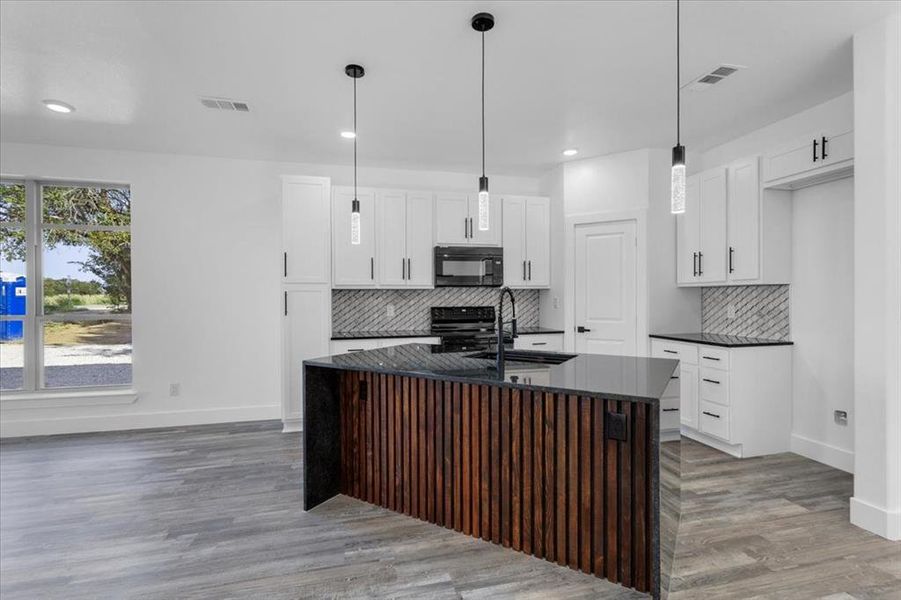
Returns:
<point x="674" y="377"/>
<point x="711" y="381"/>
<point x="711" y="358"/>
<point x="539" y="343"/>
<point x="355" y="349"/>
<point x="670" y="410"/>
<point x="709" y="414"/>
<point x="671" y="352"/>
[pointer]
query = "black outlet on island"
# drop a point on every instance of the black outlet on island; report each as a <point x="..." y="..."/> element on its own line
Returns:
<point x="616" y="427"/>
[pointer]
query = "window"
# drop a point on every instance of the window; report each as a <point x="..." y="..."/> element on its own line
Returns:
<point x="73" y="330"/>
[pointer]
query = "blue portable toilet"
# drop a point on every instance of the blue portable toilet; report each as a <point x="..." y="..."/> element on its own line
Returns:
<point x="12" y="302"/>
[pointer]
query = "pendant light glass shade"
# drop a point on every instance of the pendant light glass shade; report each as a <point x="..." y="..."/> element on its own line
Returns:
<point x="355" y="223"/>
<point x="484" y="204"/>
<point x="677" y="185"/>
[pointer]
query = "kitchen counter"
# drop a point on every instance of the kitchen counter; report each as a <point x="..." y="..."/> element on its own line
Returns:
<point x="612" y="377"/>
<point x="719" y="339"/>
<point x="414" y="333"/>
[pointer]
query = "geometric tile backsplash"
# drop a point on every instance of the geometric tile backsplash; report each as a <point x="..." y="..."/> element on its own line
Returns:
<point x="760" y="311"/>
<point x="367" y="310"/>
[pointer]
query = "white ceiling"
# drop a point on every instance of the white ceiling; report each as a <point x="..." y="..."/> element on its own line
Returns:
<point x="594" y="75"/>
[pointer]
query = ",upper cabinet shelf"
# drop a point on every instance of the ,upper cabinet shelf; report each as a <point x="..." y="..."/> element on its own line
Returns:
<point x="816" y="158"/>
<point x="732" y="232"/>
<point x="457" y="221"/>
<point x="527" y="239"/>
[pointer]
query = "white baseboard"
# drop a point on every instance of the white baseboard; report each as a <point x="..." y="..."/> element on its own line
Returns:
<point x="835" y="457"/>
<point x="292" y="424"/>
<point x="878" y="520"/>
<point x="122" y="422"/>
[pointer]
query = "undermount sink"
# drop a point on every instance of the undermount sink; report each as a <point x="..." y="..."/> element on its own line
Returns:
<point x="528" y="356"/>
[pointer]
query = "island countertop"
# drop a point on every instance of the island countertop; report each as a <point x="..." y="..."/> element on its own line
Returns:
<point x="610" y="377"/>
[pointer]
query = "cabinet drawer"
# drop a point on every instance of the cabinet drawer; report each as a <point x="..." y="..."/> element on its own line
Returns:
<point x="669" y="414"/>
<point x="687" y="353"/>
<point x="547" y="342"/>
<point x="673" y="390"/>
<point x="714" y="386"/>
<point x="710" y="356"/>
<point x="714" y="420"/>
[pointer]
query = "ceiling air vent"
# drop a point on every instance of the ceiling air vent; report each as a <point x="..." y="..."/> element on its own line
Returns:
<point x="712" y="77"/>
<point x="224" y="104"/>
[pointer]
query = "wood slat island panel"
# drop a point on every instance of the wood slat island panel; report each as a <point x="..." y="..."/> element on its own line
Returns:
<point x="529" y="470"/>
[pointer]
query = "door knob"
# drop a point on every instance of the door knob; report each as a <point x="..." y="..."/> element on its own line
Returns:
<point x="581" y="329"/>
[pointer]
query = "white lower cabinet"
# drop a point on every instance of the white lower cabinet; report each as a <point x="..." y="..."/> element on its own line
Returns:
<point x="738" y="400"/>
<point x="346" y="346"/>
<point x="307" y="312"/>
<point x="546" y="342"/>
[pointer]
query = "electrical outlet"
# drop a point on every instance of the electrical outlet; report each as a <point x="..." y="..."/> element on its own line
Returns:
<point x="389" y="310"/>
<point x="841" y="417"/>
<point x="174" y="389"/>
<point x="730" y="311"/>
<point x="556" y="302"/>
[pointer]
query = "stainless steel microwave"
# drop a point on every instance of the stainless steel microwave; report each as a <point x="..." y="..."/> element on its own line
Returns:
<point x="468" y="266"/>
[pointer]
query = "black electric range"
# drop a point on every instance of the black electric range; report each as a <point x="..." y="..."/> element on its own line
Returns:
<point x="463" y="328"/>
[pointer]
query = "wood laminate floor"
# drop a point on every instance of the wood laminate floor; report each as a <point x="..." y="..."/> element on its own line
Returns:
<point x="214" y="512"/>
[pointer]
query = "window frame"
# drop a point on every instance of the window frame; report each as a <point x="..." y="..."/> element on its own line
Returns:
<point x="34" y="320"/>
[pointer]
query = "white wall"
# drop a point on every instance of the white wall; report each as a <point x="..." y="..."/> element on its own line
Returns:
<point x="822" y="320"/>
<point x="876" y="504"/>
<point x="206" y="260"/>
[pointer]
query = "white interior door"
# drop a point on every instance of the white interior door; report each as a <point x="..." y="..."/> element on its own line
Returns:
<point x="606" y="292"/>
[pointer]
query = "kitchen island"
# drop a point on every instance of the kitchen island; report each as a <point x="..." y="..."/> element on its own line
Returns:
<point x="559" y="461"/>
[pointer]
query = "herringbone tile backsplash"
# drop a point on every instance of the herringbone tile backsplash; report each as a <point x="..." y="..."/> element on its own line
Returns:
<point x="366" y="310"/>
<point x="761" y="311"/>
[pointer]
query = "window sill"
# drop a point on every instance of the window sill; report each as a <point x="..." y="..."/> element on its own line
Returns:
<point x="67" y="398"/>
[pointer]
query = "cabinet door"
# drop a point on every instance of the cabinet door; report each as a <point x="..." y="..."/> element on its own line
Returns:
<point x="743" y="221"/>
<point x="305" y="335"/>
<point x="353" y="265"/>
<point x="451" y="219"/>
<point x="420" y="255"/>
<point x="514" y="241"/>
<point x="688" y="394"/>
<point x="688" y="233"/>
<point x="391" y="216"/>
<point x="538" y="240"/>
<point x="839" y="147"/>
<point x="543" y="342"/>
<point x="491" y="237"/>
<point x="305" y="229"/>
<point x="793" y="158"/>
<point x="712" y="261"/>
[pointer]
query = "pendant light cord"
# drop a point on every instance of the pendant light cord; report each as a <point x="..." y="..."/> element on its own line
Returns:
<point x="483" y="104"/>
<point x="678" y="82"/>
<point x="355" y="138"/>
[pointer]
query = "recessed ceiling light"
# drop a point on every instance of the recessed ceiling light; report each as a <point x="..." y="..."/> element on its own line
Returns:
<point x="58" y="106"/>
<point x="348" y="135"/>
<point x="570" y="152"/>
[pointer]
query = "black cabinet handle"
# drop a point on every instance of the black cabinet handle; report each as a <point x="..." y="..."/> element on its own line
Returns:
<point x="700" y="263"/>
<point x="409" y="268"/>
<point x="710" y="414"/>
<point x="539" y="343"/>
<point x="530" y="270"/>
<point x="815" y="150"/>
<point x="694" y="264"/>
<point x="372" y="267"/>
<point x="286" y="304"/>
<point x="355" y="350"/>
<point x="711" y="381"/>
<point x="581" y="329"/>
<point x="823" y="148"/>
<point x="711" y="358"/>
<point x="286" y="264"/>
<point x="731" y="255"/>
<point x="670" y="410"/>
<point x="671" y="352"/>
<point x="523" y="270"/>
<point x="403" y="268"/>
<point x="674" y="377"/>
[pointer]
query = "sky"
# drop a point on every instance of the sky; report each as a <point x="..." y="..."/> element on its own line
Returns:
<point x="57" y="264"/>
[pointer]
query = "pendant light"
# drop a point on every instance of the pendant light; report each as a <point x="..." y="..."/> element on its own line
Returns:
<point x="677" y="185"/>
<point x="483" y="22"/>
<point x="355" y="72"/>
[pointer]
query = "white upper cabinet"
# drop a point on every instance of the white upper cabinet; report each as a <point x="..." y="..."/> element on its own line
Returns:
<point x="812" y="159"/>
<point x="526" y="230"/>
<point x="404" y="232"/>
<point x="743" y="221"/>
<point x="305" y="229"/>
<point x="712" y="249"/>
<point x="688" y="233"/>
<point x="353" y="265"/>
<point x="457" y="221"/>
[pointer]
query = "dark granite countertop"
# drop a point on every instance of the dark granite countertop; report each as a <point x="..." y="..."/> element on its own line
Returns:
<point x="719" y="339"/>
<point x="611" y="377"/>
<point x="413" y="333"/>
